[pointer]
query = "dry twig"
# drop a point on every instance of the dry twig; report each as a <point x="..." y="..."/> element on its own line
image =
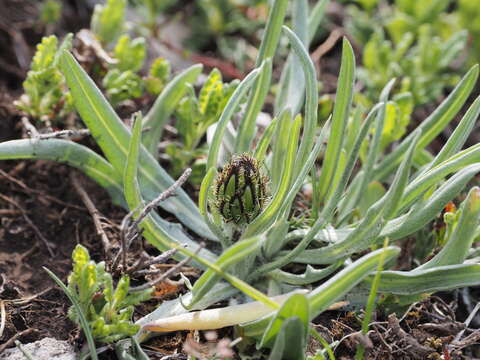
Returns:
<point x="466" y="323"/>
<point x="129" y="229"/>
<point x="327" y="45"/>
<point x="15" y="337"/>
<point x="30" y="128"/>
<point x="94" y="213"/>
<point x="168" y="273"/>
<point x="64" y="134"/>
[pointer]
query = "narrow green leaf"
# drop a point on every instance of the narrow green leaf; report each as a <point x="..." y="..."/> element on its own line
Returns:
<point x="246" y="132"/>
<point x="228" y="112"/>
<point x="231" y="256"/>
<point x="341" y="112"/>
<point x="265" y="140"/>
<point x="394" y="196"/>
<point x="364" y="176"/>
<point x="432" y="177"/>
<point x="456" y="141"/>
<point x="426" y="210"/>
<point x="456" y="249"/>
<point x="370" y="307"/>
<point x="337" y="286"/>
<point x="268" y="215"/>
<point x="310" y="275"/>
<point x="332" y="203"/>
<point x="113" y="136"/>
<point x="271" y="35"/>
<point x="131" y="186"/>
<point x="440" y="278"/>
<point x="296" y="305"/>
<point x="316" y="17"/>
<point x="307" y="166"/>
<point x="290" y="342"/>
<point x="81" y="316"/>
<point x="280" y="145"/>
<point x="311" y="99"/>
<point x="260" y="88"/>
<point x="70" y="153"/>
<point x="164" y="106"/>
<point x="292" y="81"/>
<point x="433" y="125"/>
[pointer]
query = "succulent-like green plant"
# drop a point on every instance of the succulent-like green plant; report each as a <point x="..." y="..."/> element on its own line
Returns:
<point x="50" y="11"/>
<point x="158" y="76"/>
<point x="469" y="15"/>
<point x="108" y="20"/>
<point x="417" y="43"/>
<point x="122" y="86"/>
<point x="130" y="54"/>
<point x="107" y="309"/>
<point x="122" y="81"/>
<point x="417" y="184"/>
<point x="423" y="68"/>
<point x="194" y="116"/>
<point x="46" y="98"/>
<point x="240" y="190"/>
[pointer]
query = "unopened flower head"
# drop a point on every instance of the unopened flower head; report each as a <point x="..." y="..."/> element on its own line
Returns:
<point x="240" y="190"/>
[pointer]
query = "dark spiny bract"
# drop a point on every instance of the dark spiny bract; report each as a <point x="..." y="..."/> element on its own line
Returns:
<point x="240" y="190"/>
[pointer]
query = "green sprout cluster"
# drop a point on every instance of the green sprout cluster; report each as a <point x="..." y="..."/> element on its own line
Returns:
<point x="50" y="11"/>
<point x="108" y="309"/>
<point x="415" y="42"/>
<point x="45" y="97"/>
<point x="108" y="20"/>
<point x="194" y="115"/>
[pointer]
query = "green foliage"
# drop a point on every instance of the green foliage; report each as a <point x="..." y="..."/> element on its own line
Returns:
<point x="122" y="81"/>
<point x="194" y="116"/>
<point x="397" y="189"/>
<point x="422" y="67"/>
<point x="108" y="309"/>
<point x="50" y="11"/>
<point x="469" y="15"/>
<point x="151" y="9"/>
<point x="46" y="98"/>
<point x="227" y="24"/>
<point x="416" y="42"/>
<point x="226" y="17"/>
<point x="130" y="54"/>
<point x="158" y="76"/>
<point x="122" y="86"/>
<point x="287" y="332"/>
<point x="108" y="20"/>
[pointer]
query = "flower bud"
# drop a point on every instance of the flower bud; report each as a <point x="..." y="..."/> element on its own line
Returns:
<point x="240" y="190"/>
